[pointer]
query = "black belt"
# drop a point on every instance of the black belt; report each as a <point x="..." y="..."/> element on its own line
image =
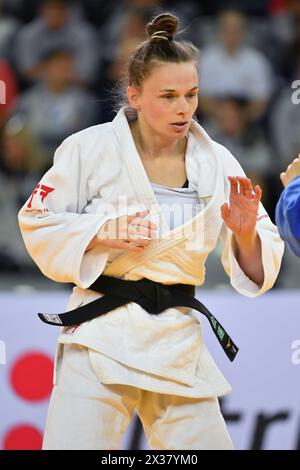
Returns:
<point x="152" y="296"/>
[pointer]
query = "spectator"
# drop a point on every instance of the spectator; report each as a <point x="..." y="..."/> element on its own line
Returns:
<point x="27" y="10"/>
<point x="8" y="30"/>
<point x="231" y="127"/>
<point x="56" y="107"/>
<point x="21" y="153"/>
<point x="21" y="164"/>
<point x="249" y="7"/>
<point x="54" y="28"/>
<point x="99" y="12"/>
<point x="130" y="14"/>
<point x="290" y="56"/>
<point x="284" y="22"/>
<point x="230" y="67"/>
<point x="8" y="90"/>
<point x="285" y="121"/>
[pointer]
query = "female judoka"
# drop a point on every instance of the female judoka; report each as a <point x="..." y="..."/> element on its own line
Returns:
<point x="141" y="201"/>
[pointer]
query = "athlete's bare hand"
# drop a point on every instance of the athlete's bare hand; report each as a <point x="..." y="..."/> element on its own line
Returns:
<point x="241" y="212"/>
<point x="127" y="232"/>
<point x="291" y="172"/>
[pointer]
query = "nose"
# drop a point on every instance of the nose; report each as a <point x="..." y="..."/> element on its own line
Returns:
<point x="183" y="106"/>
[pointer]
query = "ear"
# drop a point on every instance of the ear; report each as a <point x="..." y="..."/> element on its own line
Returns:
<point x="133" y="96"/>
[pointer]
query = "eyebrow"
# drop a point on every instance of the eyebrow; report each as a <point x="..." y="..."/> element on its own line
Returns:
<point x="170" y="90"/>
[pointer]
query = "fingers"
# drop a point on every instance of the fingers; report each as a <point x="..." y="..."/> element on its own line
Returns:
<point x="130" y="246"/>
<point x="296" y="160"/>
<point x="294" y="165"/>
<point x="292" y="171"/>
<point x="125" y="232"/>
<point x="241" y="185"/>
<point x="140" y="231"/>
<point x="121" y="245"/>
<point x="246" y="186"/>
<point x="138" y="219"/>
<point x="140" y="214"/>
<point x="233" y="184"/>
<point x="137" y="231"/>
<point x="137" y="240"/>
<point x="257" y="194"/>
<point x="138" y="226"/>
<point x="133" y="247"/>
<point x="225" y="211"/>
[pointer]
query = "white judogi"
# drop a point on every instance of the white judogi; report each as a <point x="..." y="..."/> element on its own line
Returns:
<point x="86" y="414"/>
<point x="161" y="353"/>
<point x="97" y="166"/>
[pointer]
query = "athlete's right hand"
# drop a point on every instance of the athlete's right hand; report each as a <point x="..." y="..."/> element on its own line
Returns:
<point x="125" y="232"/>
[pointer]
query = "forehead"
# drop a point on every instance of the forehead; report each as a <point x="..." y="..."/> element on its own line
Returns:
<point x="49" y="5"/>
<point x="231" y="19"/>
<point x="172" y="76"/>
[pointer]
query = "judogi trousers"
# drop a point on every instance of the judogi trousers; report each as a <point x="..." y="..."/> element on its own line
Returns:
<point x="87" y="414"/>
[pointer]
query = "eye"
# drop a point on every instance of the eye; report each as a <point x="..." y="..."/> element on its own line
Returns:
<point x="191" y="95"/>
<point x="168" y="97"/>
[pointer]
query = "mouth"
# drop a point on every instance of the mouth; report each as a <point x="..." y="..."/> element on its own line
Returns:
<point x="179" y="125"/>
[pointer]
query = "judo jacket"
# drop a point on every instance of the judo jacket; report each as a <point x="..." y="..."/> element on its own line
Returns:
<point x="97" y="175"/>
<point x="288" y="215"/>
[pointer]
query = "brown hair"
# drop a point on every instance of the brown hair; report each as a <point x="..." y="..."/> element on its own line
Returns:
<point x="159" y="47"/>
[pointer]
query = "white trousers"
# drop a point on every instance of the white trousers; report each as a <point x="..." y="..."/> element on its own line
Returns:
<point x="87" y="414"/>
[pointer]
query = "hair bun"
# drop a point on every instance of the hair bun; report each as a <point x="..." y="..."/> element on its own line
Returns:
<point x="165" y="25"/>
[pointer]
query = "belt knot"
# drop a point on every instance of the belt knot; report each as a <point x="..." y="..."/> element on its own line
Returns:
<point x="158" y="297"/>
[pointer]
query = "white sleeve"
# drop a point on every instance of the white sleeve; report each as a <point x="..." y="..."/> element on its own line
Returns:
<point x="271" y="243"/>
<point x="55" y="231"/>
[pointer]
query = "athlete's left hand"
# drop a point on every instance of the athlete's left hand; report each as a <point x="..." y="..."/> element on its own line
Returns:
<point x="241" y="213"/>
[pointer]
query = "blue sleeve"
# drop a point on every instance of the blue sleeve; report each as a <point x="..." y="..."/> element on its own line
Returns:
<point x="288" y="215"/>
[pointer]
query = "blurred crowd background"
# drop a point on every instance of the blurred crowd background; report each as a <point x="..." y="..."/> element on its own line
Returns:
<point x="62" y="60"/>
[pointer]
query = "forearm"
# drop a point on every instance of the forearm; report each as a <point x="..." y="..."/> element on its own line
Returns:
<point x="99" y="238"/>
<point x="249" y="256"/>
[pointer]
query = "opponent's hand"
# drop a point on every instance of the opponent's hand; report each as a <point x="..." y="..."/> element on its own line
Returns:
<point x="291" y="172"/>
<point x="241" y="212"/>
<point x="126" y="232"/>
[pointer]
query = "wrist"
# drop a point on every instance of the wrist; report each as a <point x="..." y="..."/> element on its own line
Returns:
<point x="247" y="241"/>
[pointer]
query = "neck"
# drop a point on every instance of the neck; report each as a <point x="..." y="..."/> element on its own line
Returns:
<point x="231" y="49"/>
<point x="152" y="146"/>
<point x="57" y="88"/>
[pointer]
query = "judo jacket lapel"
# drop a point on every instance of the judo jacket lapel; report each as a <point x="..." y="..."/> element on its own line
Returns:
<point x="206" y="184"/>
